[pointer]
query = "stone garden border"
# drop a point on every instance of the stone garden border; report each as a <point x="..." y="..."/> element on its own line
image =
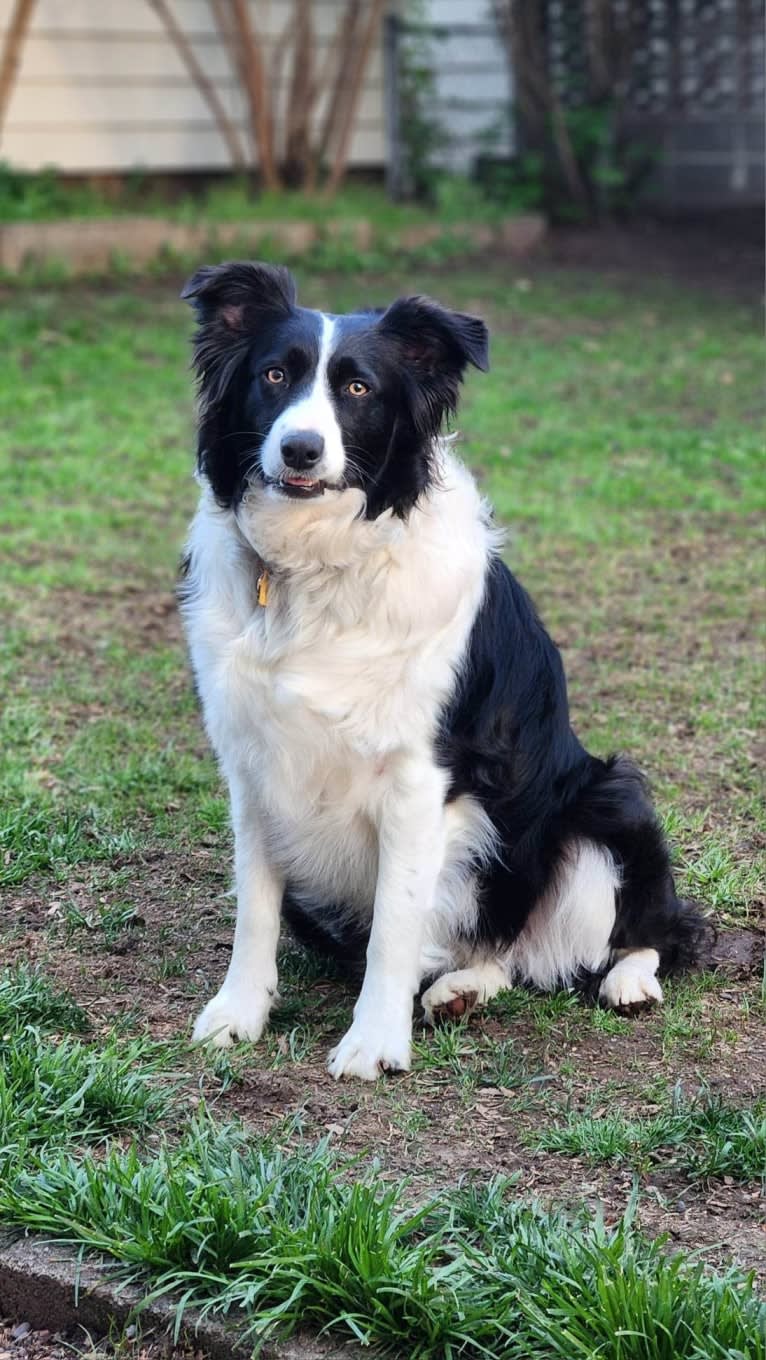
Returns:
<point x="93" y="245"/>
<point x="47" y="1285"/>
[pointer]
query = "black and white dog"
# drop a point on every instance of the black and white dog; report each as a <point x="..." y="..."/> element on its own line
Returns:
<point x="389" y="713"/>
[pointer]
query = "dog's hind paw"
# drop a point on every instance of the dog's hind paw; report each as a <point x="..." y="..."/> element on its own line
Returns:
<point x="456" y="994"/>
<point x="632" y="985"/>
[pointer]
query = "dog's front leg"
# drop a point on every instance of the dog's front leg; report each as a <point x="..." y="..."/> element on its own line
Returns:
<point x="411" y="852"/>
<point x="241" y="1008"/>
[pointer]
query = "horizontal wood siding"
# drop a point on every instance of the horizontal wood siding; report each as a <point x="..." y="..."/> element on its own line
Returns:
<point x="102" y="89"/>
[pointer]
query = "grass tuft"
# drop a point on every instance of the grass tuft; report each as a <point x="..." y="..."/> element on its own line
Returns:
<point x="704" y="1137"/>
<point x="36" y="838"/>
<point x="28" y="998"/>
<point x="55" y="1094"/>
<point x="284" y="1240"/>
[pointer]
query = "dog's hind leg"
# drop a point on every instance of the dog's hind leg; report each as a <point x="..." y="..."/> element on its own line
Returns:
<point x="654" y="931"/>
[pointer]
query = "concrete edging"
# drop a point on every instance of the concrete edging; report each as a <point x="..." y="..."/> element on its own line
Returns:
<point x="86" y="245"/>
<point x="46" y="1285"/>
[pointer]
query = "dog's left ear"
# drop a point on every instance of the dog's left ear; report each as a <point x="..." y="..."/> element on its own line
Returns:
<point x="433" y="338"/>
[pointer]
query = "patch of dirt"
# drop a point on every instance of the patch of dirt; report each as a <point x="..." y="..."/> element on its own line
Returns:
<point x="175" y="948"/>
<point x="722" y="254"/>
<point x="737" y="953"/>
<point x="19" y="1341"/>
<point x="82" y="623"/>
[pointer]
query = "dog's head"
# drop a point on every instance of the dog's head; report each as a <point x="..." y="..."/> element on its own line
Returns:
<point x="308" y="404"/>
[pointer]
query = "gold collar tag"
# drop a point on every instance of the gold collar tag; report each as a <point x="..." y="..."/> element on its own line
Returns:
<point x="262" y="587"/>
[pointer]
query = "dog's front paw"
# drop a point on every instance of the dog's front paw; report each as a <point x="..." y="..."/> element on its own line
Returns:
<point x="367" y="1053"/>
<point x="231" y="1016"/>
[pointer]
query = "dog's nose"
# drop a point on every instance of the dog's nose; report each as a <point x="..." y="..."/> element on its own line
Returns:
<point x="302" y="450"/>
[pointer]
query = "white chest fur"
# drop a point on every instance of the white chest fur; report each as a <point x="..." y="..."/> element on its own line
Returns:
<point x="323" y="699"/>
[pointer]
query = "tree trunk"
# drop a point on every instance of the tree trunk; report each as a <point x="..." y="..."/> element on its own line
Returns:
<point x="542" y="115"/>
<point x="300" y="99"/>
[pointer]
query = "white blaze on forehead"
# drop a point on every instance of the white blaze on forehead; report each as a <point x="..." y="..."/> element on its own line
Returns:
<point x="312" y="412"/>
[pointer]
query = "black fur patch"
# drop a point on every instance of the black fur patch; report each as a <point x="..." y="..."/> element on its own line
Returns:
<point x="506" y="739"/>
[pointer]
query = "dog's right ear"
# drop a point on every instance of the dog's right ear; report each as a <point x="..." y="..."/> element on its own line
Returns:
<point x="237" y="294"/>
<point x="232" y="301"/>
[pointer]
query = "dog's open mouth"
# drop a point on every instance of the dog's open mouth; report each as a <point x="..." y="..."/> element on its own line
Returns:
<point x="298" y="484"/>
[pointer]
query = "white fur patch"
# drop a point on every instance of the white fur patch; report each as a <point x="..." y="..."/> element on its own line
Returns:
<point x="313" y="413"/>
<point x="570" y="929"/>
<point x="632" y="981"/>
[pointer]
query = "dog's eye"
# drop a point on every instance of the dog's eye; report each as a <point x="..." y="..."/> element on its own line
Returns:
<point x="357" y="388"/>
<point x="275" y="375"/>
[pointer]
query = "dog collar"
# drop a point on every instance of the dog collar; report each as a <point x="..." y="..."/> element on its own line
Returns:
<point x="262" y="588"/>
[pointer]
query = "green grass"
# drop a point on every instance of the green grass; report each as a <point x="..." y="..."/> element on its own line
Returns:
<point x="28" y="998"/>
<point x="52" y="1094"/>
<point x="288" y="1240"/>
<point x="273" y="1240"/>
<point x="706" y="1137"/>
<point x="37" y="836"/>
<point x="43" y="197"/>
<point x="57" y="1091"/>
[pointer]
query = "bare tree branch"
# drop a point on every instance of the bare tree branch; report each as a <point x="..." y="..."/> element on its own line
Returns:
<point x="221" y="10"/>
<point x="341" y="53"/>
<point x="204" y="85"/>
<point x="257" y="90"/>
<point x="11" y="53"/>
<point x="356" y="79"/>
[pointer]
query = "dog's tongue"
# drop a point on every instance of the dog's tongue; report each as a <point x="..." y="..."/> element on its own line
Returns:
<point x="296" y="480"/>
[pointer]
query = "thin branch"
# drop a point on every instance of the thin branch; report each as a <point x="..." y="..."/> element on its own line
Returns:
<point x="256" y="88"/>
<point x="340" y="55"/>
<point x="11" y="54"/>
<point x="301" y="95"/>
<point x="354" y="93"/>
<point x="204" y="85"/>
<point x="278" y="53"/>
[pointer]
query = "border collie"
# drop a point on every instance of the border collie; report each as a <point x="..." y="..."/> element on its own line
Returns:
<point x="388" y="710"/>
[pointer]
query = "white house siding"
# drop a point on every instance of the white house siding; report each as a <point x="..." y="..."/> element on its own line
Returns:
<point x="102" y="89"/>
<point x="473" y="85"/>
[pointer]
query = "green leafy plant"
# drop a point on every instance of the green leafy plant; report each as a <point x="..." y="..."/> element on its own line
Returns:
<point x="285" y="1240"/>
<point x="422" y="131"/>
